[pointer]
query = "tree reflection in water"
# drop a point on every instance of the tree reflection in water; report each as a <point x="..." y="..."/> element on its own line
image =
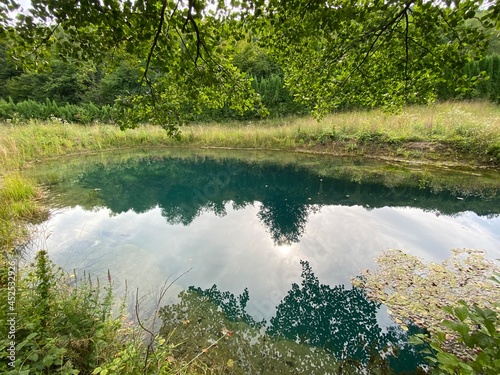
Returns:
<point x="317" y="329"/>
<point x="185" y="188"/>
<point x="285" y="219"/>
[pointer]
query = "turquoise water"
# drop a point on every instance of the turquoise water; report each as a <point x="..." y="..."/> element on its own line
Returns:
<point x="290" y="234"/>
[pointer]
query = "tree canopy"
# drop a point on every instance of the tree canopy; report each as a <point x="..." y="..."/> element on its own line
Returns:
<point x="367" y="53"/>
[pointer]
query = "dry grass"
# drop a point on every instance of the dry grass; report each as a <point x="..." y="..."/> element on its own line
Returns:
<point x="417" y="122"/>
<point x="470" y="129"/>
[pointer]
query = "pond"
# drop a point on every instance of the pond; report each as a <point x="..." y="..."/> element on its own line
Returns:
<point x="264" y="244"/>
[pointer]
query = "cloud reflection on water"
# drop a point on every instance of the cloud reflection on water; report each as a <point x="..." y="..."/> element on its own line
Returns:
<point x="236" y="251"/>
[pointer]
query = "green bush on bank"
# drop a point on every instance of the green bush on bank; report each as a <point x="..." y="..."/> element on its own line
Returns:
<point x="476" y="330"/>
<point x="85" y="113"/>
<point x="487" y="87"/>
<point x="277" y="98"/>
<point x="56" y="327"/>
<point x="60" y="324"/>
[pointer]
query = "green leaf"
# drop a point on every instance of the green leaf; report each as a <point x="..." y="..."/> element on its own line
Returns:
<point x="461" y="328"/>
<point x="447" y="359"/>
<point x="461" y="312"/>
<point x="48" y="360"/>
<point x="465" y="368"/>
<point x="416" y="340"/>
<point x="31" y="336"/>
<point x="483" y="359"/>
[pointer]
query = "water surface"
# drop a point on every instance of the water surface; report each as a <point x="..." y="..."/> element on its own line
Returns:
<point x="244" y="222"/>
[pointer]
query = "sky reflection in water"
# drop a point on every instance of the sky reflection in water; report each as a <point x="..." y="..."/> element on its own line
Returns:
<point x="236" y="251"/>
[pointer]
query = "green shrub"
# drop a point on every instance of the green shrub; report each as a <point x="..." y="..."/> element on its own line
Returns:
<point x="493" y="153"/>
<point x="86" y="113"/>
<point x="7" y="109"/>
<point x="487" y="83"/>
<point x="58" y="327"/>
<point x="57" y="323"/>
<point x="477" y="331"/>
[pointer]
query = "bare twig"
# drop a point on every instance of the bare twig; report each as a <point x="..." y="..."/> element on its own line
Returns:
<point x="225" y="333"/>
<point x="453" y="29"/>
<point x="198" y="36"/>
<point x="164" y="290"/>
<point x="407" y="53"/>
<point x="157" y="36"/>
<point x="44" y="40"/>
<point x="184" y="44"/>
<point x="149" y="348"/>
<point x="150" y="331"/>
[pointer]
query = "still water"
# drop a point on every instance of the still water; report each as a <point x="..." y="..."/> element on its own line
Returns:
<point x="269" y="241"/>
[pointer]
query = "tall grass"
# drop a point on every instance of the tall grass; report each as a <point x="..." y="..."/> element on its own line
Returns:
<point x="464" y="131"/>
<point x="18" y="205"/>
<point x="36" y="140"/>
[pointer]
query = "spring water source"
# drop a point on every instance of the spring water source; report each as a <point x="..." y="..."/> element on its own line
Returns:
<point x="265" y="245"/>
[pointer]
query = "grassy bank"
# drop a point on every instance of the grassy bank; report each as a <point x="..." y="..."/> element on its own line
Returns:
<point x="450" y="132"/>
<point x="466" y="133"/>
<point x="19" y="199"/>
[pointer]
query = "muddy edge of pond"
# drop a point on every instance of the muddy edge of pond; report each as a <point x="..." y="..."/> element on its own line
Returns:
<point x="414" y="154"/>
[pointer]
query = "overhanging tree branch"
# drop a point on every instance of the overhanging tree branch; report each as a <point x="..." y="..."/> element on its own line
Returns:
<point x="385" y="28"/>
<point x="44" y="40"/>
<point x="407" y="52"/>
<point x="156" y="37"/>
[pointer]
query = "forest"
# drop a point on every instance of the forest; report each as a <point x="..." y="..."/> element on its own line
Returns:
<point x="87" y="93"/>
<point x="47" y="76"/>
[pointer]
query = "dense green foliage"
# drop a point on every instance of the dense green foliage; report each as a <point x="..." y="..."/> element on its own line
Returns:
<point x="487" y="87"/>
<point x="168" y="62"/>
<point x="25" y="96"/>
<point x="76" y="93"/>
<point x="69" y="324"/>
<point x="49" y="110"/>
<point x="57" y="327"/>
<point x="477" y="330"/>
